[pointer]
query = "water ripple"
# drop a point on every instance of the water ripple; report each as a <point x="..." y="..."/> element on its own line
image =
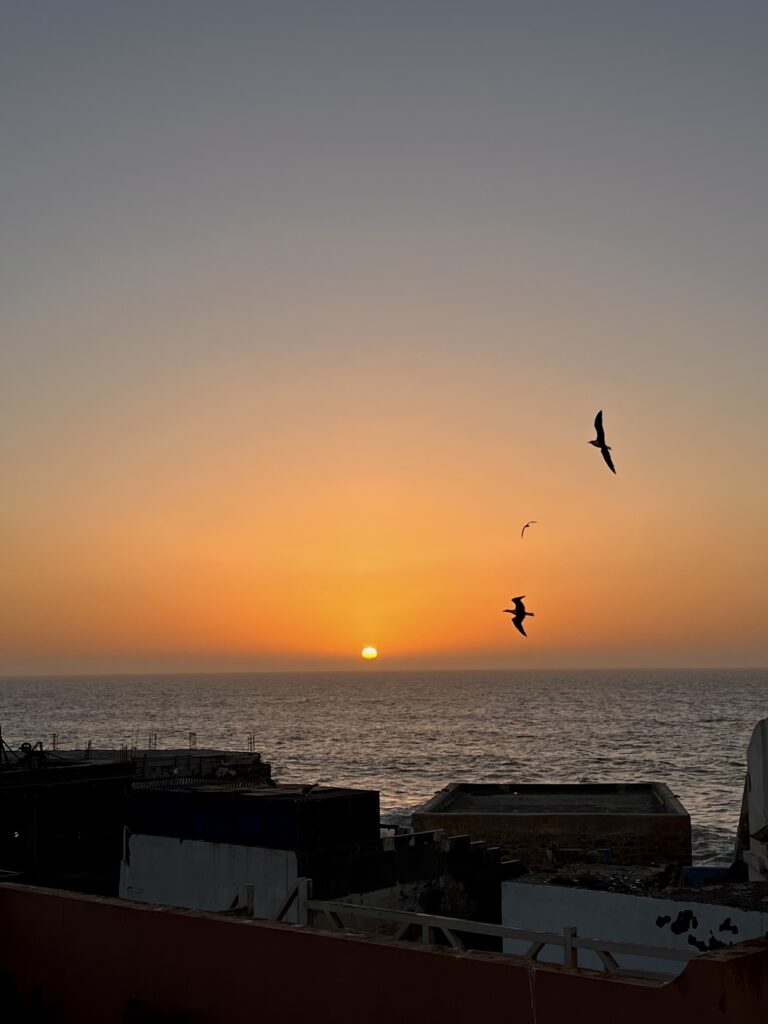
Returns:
<point x="408" y="734"/>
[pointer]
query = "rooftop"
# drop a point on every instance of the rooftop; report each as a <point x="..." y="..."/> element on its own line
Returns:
<point x="640" y="798"/>
<point x="741" y="895"/>
<point x="276" y="816"/>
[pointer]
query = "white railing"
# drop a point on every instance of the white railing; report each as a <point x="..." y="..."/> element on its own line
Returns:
<point x="426" y="927"/>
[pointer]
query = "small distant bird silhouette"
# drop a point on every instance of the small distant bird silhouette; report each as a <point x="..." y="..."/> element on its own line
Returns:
<point x="599" y="442"/>
<point x="518" y="613"/>
<point x="526" y="527"/>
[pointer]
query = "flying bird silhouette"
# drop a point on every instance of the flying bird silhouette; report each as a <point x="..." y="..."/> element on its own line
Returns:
<point x="599" y="442"/>
<point x="518" y="613"/>
<point x="526" y="527"/>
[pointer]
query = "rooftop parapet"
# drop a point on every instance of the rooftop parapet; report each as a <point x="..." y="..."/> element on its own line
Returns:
<point x="634" y="823"/>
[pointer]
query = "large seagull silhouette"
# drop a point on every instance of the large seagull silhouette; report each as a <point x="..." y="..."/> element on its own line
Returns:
<point x="599" y="442"/>
<point x="518" y="613"/>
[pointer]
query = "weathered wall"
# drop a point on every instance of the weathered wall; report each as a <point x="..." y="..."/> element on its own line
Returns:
<point x="642" y="920"/>
<point x="756" y="856"/>
<point x="283" y="818"/>
<point x="408" y="897"/>
<point x="64" y="823"/>
<point x="448" y="874"/>
<point x="79" y="958"/>
<point x="632" y="839"/>
<point x="415" y="872"/>
<point x="205" y="876"/>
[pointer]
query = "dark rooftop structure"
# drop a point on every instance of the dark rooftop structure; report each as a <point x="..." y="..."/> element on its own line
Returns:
<point x="633" y="823"/>
<point x="63" y="812"/>
<point x="278" y="817"/>
<point x="551" y="799"/>
<point x="61" y="822"/>
<point x="181" y="763"/>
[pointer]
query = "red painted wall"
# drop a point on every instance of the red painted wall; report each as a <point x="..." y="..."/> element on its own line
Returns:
<point x="82" y="959"/>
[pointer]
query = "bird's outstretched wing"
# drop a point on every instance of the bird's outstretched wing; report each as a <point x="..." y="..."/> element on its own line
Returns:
<point x="608" y="460"/>
<point x="599" y="428"/>
<point x="526" y="527"/>
<point x="518" y="603"/>
<point x="518" y="624"/>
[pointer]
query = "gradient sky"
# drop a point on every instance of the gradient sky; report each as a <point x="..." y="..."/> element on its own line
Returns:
<point x="307" y="307"/>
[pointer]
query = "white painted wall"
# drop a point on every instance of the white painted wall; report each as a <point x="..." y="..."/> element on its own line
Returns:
<point x="756" y="857"/>
<point x="206" y="876"/>
<point x="620" y="918"/>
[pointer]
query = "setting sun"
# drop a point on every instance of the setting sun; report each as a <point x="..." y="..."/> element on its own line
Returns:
<point x="369" y="653"/>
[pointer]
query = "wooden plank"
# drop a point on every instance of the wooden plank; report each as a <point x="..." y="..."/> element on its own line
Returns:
<point x="533" y="950"/>
<point x="630" y="949"/>
<point x="457" y="924"/>
<point x="646" y="975"/>
<point x="570" y="953"/>
<point x="607" y="960"/>
<point x="287" y="905"/>
<point x="454" y="940"/>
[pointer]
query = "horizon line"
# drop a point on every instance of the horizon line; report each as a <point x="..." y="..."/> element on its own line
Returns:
<point x="367" y="669"/>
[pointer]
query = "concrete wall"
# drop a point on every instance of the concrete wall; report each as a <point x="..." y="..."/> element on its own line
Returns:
<point x="280" y="818"/>
<point x="205" y="876"/>
<point x="412" y="872"/>
<point x="209" y="876"/>
<point x="445" y="874"/>
<point x="631" y="839"/>
<point x="407" y="897"/>
<point x="630" y="823"/>
<point x="756" y="856"/>
<point x="642" y="920"/>
<point x="64" y="822"/>
<point x="66" y="958"/>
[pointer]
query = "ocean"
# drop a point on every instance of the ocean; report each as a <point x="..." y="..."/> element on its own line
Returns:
<point x="408" y="734"/>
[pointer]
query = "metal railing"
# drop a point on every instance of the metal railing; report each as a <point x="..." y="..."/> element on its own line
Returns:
<point x="425" y="928"/>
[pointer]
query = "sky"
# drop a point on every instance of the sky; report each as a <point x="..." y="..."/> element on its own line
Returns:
<point x="306" y="307"/>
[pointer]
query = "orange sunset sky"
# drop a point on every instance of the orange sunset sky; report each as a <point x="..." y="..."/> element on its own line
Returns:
<point x="307" y="308"/>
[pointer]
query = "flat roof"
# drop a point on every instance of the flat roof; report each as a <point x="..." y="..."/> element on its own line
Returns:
<point x="60" y="773"/>
<point x="154" y="754"/>
<point x="226" y="790"/>
<point x="530" y="798"/>
<point x="313" y="794"/>
<point x="740" y="895"/>
<point x="278" y="817"/>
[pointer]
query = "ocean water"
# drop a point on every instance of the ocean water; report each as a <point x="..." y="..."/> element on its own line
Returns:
<point x="409" y="734"/>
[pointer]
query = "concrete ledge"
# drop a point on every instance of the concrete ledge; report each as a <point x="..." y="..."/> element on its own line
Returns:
<point x="74" y="958"/>
<point x="638" y="823"/>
